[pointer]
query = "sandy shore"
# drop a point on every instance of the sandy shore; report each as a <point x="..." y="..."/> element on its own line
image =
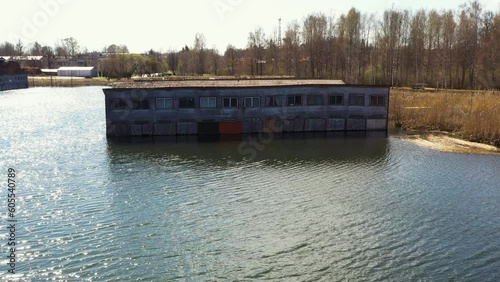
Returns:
<point x="445" y="143"/>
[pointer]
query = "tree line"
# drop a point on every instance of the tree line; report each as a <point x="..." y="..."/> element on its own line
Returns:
<point x="446" y="49"/>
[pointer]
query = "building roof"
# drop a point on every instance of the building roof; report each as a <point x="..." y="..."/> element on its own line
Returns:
<point x="225" y="83"/>
<point x="75" y="68"/>
<point x="22" y="58"/>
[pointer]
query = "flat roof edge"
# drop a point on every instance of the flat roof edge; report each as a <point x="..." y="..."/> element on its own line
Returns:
<point x="210" y="87"/>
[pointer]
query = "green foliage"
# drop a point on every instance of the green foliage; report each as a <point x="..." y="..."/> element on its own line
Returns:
<point x="127" y="65"/>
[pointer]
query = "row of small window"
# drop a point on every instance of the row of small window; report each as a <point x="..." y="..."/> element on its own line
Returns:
<point x="249" y="102"/>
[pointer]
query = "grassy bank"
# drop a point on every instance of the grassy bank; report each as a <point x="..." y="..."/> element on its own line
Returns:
<point x="45" y="81"/>
<point x="470" y="115"/>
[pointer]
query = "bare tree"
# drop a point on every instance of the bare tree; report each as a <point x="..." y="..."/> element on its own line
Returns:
<point x="353" y="44"/>
<point x="36" y="49"/>
<point x="272" y="55"/>
<point x="199" y="53"/>
<point x="215" y="58"/>
<point x="173" y="60"/>
<point x="185" y="63"/>
<point x="417" y="45"/>
<point x="314" y="33"/>
<point x="230" y="59"/>
<point x="71" y="47"/>
<point x="433" y="47"/>
<point x="256" y="43"/>
<point x="449" y="26"/>
<point x="48" y="53"/>
<point x="7" y="49"/>
<point x="291" y="49"/>
<point x="19" y="48"/>
<point x="489" y="54"/>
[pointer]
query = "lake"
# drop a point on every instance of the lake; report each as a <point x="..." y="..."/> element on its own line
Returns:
<point x="303" y="208"/>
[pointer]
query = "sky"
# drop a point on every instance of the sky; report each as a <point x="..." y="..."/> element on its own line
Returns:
<point x="170" y="25"/>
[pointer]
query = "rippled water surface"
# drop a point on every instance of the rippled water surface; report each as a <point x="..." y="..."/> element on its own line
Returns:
<point x="306" y="209"/>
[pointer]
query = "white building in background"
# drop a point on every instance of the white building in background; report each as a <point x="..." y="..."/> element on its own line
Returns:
<point x="49" y="72"/>
<point x="77" y="71"/>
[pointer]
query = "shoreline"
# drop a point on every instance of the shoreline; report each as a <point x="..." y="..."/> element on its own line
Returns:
<point x="446" y="142"/>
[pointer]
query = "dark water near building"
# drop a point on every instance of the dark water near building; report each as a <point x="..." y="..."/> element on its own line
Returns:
<point x="305" y="209"/>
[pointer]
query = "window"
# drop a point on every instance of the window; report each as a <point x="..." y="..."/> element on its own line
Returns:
<point x="356" y="99"/>
<point x="295" y="100"/>
<point x="163" y="103"/>
<point x="252" y="102"/>
<point x="337" y="100"/>
<point x="118" y="104"/>
<point x="230" y="102"/>
<point x="377" y="100"/>
<point x="185" y="103"/>
<point x="315" y="100"/>
<point x="139" y="104"/>
<point x="208" y="102"/>
<point x="274" y="101"/>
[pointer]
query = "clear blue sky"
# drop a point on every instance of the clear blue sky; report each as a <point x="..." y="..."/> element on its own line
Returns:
<point x="164" y="25"/>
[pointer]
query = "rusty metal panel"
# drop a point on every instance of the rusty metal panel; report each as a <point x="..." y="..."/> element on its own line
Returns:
<point x="187" y="128"/>
<point x="356" y="124"/>
<point x="230" y="128"/>
<point x="165" y="129"/>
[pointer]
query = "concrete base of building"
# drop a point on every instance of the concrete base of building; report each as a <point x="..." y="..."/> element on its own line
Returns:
<point x="249" y="126"/>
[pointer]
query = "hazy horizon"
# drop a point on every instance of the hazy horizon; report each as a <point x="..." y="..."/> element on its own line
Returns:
<point x="160" y="26"/>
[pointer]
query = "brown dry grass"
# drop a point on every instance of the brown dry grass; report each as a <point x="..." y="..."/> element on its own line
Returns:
<point x="471" y="115"/>
<point x="45" y="81"/>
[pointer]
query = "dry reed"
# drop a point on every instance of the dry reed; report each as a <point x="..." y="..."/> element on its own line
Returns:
<point x="472" y="115"/>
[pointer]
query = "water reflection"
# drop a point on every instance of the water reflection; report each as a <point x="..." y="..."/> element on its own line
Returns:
<point x="226" y="151"/>
<point x="213" y="213"/>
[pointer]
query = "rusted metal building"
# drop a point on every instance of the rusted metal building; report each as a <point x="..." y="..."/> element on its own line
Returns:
<point x="207" y="107"/>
